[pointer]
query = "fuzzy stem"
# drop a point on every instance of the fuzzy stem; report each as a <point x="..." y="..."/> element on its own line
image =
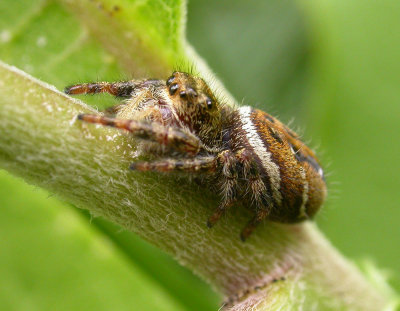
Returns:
<point x="279" y="267"/>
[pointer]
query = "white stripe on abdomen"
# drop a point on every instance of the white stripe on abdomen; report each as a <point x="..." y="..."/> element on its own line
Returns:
<point x="261" y="151"/>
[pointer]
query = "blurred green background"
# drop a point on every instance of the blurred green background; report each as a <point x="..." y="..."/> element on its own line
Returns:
<point x="330" y="67"/>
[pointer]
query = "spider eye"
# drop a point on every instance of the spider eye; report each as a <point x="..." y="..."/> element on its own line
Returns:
<point x="209" y="103"/>
<point x="173" y="88"/>
<point x="170" y="80"/>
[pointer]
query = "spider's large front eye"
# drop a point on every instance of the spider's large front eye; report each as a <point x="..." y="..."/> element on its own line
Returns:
<point x="173" y="88"/>
<point x="170" y="80"/>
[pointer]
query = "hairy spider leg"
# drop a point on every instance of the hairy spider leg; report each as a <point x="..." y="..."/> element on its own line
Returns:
<point x="229" y="180"/>
<point x="261" y="199"/>
<point x="253" y="223"/>
<point x="119" y="89"/>
<point x="168" y="136"/>
<point x="197" y="164"/>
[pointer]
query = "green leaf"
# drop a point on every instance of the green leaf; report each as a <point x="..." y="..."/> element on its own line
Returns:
<point x="52" y="260"/>
<point x="145" y="36"/>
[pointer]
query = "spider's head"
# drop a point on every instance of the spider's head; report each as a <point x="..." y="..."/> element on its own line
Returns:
<point x="195" y="105"/>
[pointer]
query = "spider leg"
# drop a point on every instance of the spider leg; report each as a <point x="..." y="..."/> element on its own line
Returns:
<point x="260" y="197"/>
<point x="219" y="211"/>
<point x="229" y="178"/>
<point x="197" y="164"/>
<point x="253" y="223"/>
<point x="167" y="136"/>
<point x="120" y="89"/>
<point x="263" y="204"/>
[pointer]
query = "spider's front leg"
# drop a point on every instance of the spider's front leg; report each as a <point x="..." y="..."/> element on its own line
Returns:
<point x="122" y="89"/>
<point x="119" y="89"/>
<point x="174" y="138"/>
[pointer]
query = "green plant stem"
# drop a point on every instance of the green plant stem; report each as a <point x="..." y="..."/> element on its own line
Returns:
<point x="280" y="265"/>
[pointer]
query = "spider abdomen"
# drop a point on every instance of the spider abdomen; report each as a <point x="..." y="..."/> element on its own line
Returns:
<point x="289" y="169"/>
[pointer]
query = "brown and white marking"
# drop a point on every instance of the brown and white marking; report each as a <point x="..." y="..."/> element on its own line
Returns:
<point x="244" y="154"/>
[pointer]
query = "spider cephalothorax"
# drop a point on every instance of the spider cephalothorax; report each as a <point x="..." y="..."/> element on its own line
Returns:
<point x="250" y="155"/>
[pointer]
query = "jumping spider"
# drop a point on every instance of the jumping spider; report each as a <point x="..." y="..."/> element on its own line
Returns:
<point x="248" y="154"/>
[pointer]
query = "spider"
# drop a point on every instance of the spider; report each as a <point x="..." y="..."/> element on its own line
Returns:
<point x="246" y="153"/>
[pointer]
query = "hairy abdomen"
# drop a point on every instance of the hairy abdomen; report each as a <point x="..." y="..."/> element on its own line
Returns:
<point x="290" y="170"/>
